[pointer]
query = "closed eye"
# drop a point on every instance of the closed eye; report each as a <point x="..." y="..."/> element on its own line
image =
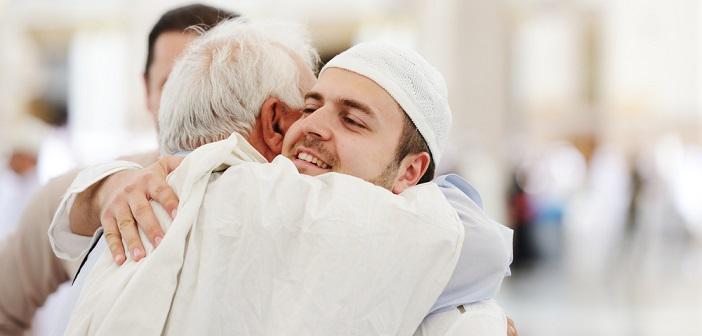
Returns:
<point x="308" y="110"/>
<point x="353" y="122"/>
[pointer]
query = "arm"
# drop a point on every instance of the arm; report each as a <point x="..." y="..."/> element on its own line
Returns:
<point x="118" y="201"/>
<point x="84" y="216"/>
<point x="65" y="243"/>
<point x="31" y="271"/>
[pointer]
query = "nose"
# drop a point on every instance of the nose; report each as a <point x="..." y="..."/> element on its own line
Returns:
<point x="318" y="124"/>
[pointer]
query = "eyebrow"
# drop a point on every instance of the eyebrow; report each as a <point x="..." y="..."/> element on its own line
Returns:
<point x="313" y="95"/>
<point x="354" y="104"/>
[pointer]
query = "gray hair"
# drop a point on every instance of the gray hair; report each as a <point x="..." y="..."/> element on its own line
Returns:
<point x="218" y="85"/>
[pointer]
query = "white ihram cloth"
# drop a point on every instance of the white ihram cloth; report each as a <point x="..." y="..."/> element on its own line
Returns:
<point x="262" y="250"/>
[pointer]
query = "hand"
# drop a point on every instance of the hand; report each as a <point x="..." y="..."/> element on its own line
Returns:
<point x="123" y="200"/>
<point x="511" y="329"/>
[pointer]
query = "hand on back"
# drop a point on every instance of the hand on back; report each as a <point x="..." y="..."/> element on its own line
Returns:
<point x="123" y="200"/>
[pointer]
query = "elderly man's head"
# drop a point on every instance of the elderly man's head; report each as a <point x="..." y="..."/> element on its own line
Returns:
<point x="248" y="78"/>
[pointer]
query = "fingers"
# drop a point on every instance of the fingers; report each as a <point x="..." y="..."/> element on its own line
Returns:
<point x="128" y="230"/>
<point x="163" y="194"/>
<point x="113" y="239"/>
<point x="126" y="205"/>
<point x="157" y="187"/>
<point x="511" y="328"/>
<point x="145" y="217"/>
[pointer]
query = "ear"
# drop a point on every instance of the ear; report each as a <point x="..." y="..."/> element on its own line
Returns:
<point x="411" y="170"/>
<point x="271" y="116"/>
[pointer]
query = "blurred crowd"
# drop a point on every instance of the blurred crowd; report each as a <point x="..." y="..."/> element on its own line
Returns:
<point x="607" y="218"/>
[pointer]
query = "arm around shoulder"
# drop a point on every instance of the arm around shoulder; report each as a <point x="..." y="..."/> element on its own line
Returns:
<point x="76" y="207"/>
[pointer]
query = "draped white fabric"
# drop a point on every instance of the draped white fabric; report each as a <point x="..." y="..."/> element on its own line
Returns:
<point x="258" y="249"/>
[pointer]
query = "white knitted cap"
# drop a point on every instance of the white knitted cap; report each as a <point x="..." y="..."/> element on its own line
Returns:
<point x="414" y="84"/>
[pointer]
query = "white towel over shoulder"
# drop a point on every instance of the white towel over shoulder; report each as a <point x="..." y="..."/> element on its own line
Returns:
<point x="258" y="249"/>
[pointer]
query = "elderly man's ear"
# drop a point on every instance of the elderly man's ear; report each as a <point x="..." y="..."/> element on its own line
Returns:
<point x="274" y="121"/>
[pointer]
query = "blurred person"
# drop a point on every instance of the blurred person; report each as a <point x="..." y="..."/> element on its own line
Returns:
<point x="18" y="178"/>
<point x="31" y="270"/>
<point x="551" y="180"/>
<point x="187" y="133"/>
<point x="595" y="215"/>
<point x="666" y="209"/>
<point x="55" y="156"/>
<point x="689" y="190"/>
<point x="521" y="220"/>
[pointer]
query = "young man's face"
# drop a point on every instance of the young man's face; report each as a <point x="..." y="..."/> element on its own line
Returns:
<point x="349" y="125"/>
<point x="167" y="48"/>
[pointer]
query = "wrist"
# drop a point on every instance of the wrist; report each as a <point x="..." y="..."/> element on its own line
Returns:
<point x="84" y="219"/>
<point x="86" y="211"/>
<point x="97" y="195"/>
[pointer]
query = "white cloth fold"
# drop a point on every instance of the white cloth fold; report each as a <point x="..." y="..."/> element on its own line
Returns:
<point x="484" y="318"/>
<point x="262" y="250"/>
<point x="486" y="253"/>
<point x="481" y="268"/>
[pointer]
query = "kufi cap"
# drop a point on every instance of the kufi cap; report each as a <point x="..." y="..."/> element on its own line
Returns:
<point x="414" y="84"/>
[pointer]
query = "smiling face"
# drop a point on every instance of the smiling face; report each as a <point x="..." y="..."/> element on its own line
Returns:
<point x="349" y="125"/>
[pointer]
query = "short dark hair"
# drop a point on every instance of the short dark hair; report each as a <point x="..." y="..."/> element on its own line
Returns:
<point x="181" y="18"/>
<point x="411" y="142"/>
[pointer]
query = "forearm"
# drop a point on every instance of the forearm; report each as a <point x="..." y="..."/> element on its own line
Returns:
<point x="77" y="215"/>
<point x="113" y="196"/>
<point x="84" y="215"/>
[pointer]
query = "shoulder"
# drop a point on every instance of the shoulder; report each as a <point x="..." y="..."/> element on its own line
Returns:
<point x="144" y="158"/>
<point x="485" y="318"/>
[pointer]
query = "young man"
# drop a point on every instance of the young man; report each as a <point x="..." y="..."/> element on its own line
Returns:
<point x="31" y="270"/>
<point x="325" y="140"/>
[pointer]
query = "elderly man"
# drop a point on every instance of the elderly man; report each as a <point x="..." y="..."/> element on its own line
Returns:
<point x="326" y="140"/>
<point x="31" y="271"/>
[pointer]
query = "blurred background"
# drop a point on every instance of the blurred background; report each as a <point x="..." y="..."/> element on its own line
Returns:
<point x="579" y="121"/>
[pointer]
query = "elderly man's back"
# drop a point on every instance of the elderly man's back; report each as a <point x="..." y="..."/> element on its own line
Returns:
<point x="261" y="249"/>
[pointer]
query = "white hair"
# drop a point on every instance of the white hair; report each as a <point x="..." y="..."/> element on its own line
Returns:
<point x="218" y="85"/>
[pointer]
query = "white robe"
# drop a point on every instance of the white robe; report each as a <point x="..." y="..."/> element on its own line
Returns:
<point x="262" y="250"/>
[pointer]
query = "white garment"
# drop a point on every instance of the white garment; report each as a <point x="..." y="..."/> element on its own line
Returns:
<point x="483" y="318"/>
<point x="293" y="254"/>
<point x="15" y="191"/>
<point x="483" y="264"/>
<point x="484" y="260"/>
<point x="486" y="253"/>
